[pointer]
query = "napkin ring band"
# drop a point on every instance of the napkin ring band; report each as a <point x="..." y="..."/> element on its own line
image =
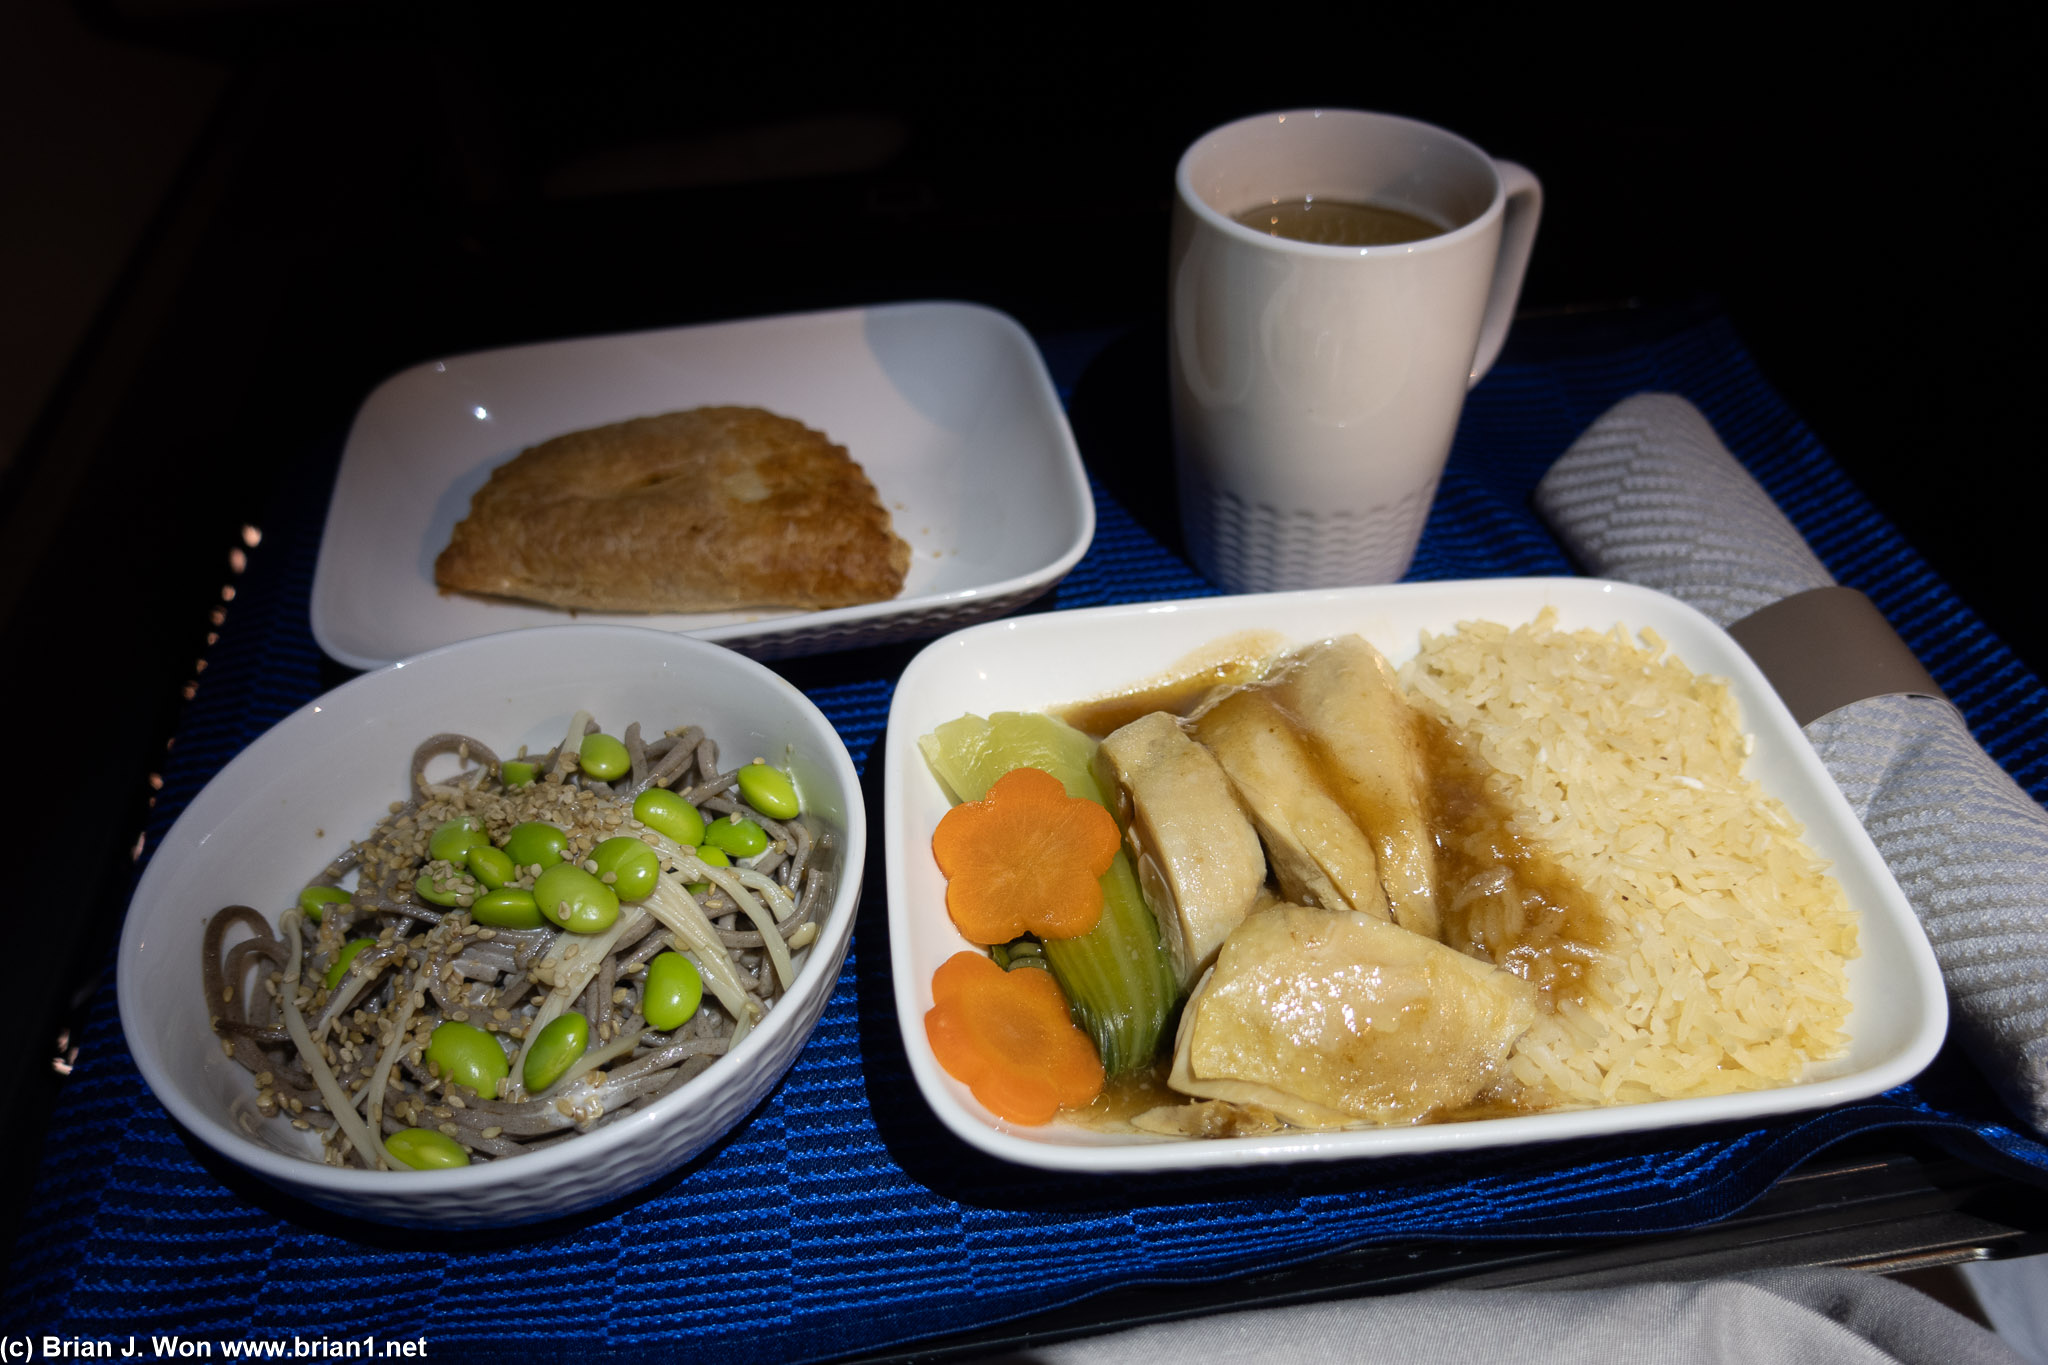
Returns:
<point x="1827" y="647"/>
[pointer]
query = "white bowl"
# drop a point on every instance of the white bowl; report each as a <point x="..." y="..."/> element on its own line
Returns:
<point x="325" y="774"/>
<point x="947" y="406"/>
<point x="1899" y="1011"/>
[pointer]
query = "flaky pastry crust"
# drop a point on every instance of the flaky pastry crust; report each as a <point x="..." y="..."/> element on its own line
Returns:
<point x="706" y="510"/>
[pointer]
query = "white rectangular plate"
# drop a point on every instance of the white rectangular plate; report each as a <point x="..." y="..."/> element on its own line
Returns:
<point x="1899" y="1011"/>
<point x="947" y="406"/>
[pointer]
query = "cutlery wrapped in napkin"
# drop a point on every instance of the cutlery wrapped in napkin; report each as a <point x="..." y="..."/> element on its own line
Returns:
<point x="1649" y="495"/>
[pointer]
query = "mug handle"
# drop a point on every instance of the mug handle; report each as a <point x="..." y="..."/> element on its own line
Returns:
<point x="1517" y="236"/>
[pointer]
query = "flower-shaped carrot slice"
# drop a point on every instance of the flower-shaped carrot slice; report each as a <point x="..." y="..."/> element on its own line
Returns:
<point x="1007" y="1037"/>
<point x="1026" y="859"/>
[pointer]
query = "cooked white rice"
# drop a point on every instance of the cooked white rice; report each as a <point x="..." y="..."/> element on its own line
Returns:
<point x="1726" y="941"/>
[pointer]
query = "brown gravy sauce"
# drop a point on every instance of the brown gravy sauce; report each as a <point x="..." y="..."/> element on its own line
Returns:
<point x="1501" y="900"/>
<point x="1125" y="1097"/>
<point x="1229" y="662"/>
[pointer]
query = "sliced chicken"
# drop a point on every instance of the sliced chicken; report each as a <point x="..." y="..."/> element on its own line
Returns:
<point x="1351" y="710"/>
<point x="1334" y="1019"/>
<point x="1318" y="853"/>
<point x="1197" y="857"/>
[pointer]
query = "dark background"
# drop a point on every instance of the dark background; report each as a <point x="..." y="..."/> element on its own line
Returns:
<point x="343" y="190"/>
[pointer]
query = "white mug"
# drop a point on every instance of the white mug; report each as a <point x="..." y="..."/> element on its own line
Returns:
<point x="1316" y="388"/>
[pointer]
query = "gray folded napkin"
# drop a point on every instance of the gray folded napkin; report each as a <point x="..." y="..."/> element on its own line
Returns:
<point x="1649" y="495"/>
<point x="1765" y="1317"/>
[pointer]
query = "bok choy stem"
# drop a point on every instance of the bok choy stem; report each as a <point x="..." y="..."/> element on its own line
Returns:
<point x="1119" y="980"/>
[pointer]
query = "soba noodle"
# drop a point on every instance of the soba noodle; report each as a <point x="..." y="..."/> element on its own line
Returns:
<point x="349" y="1060"/>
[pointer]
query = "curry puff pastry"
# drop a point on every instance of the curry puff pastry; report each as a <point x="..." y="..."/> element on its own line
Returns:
<point x="703" y="510"/>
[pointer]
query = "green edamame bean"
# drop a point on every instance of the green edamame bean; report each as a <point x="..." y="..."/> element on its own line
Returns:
<point x="517" y="772"/>
<point x="768" y="790"/>
<point x="632" y="866"/>
<point x="664" y="812"/>
<point x="507" y="908"/>
<point x="423" y="1149"/>
<point x="555" y="1049"/>
<point x="576" y="900"/>
<point x="338" y="968"/>
<point x="674" y="990"/>
<point x="536" y="841"/>
<point x="453" y="838"/>
<point x="603" y="757"/>
<point x="740" y="838"/>
<point x="314" y="900"/>
<point x="464" y="1054"/>
<point x="714" y="857"/>
<point x="491" y="865"/>
<point x="442" y="886"/>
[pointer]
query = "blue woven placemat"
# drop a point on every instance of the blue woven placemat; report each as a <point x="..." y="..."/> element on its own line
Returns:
<point x="840" y="1217"/>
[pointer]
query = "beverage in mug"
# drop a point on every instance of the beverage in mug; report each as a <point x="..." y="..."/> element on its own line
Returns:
<point x="1337" y="222"/>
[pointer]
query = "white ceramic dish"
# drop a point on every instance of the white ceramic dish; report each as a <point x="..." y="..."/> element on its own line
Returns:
<point x="325" y="774"/>
<point x="1899" y="1015"/>
<point x="947" y="406"/>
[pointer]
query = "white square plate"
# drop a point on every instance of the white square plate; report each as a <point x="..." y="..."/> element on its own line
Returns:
<point x="947" y="406"/>
<point x="1899" y="1011"/>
